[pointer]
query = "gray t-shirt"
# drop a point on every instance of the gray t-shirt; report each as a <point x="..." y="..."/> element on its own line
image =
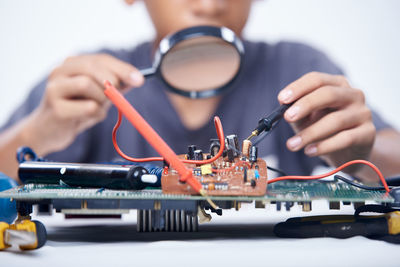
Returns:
<point x="266" y="70"/>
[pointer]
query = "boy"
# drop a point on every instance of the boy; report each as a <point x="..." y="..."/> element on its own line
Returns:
<point x="68" y="118"/>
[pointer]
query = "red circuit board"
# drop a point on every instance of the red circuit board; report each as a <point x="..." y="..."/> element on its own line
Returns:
<point x="227" y="179"/>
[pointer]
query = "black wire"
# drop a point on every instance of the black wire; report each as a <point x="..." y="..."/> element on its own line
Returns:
<point x="348" y="181"/>
<point x="277" y="170"/>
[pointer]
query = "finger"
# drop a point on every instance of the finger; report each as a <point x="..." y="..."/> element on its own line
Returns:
<point x="322" y="98"/>
<point x="77" y="87"/>
<point x="307" y="83"/>
<point x="128" y="74"/>
<point x="93" y="119"/>
<point x="74" y="109"/>
<point x="359" y="136"/>
<point x="101" y="67"/>
<point x="328" y="125"/>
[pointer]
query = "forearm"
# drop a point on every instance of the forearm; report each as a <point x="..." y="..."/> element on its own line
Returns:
<point x="20" y="134"/>
<point x="10" y="140"/>
<point x="385" y="155"/>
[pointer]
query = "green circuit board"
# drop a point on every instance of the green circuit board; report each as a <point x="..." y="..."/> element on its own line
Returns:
<point x="279" y="191"/>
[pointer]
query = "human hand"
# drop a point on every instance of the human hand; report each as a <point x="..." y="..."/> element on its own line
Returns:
<point x="74" y="100"/>
<point x="330" y="118"/>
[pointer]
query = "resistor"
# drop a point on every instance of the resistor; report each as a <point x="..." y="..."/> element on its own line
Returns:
<point x="246" y="147"/>
<point x="211" y="186"/>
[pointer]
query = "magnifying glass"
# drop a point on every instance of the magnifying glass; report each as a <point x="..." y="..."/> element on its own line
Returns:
<point x="198" y="62"/>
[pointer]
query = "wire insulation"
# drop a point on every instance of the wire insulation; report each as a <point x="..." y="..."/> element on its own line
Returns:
<point x="218" y="127"/>
<point x="338" y="169"/>
<point x="359" y="185"/>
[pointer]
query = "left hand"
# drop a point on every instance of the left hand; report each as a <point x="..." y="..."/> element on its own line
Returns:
<point x="330" y="118"/>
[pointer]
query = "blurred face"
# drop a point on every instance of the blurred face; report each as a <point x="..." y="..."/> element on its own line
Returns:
<point x="169" y="16"/>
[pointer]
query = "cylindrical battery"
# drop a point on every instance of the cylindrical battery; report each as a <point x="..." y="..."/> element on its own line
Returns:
<point x="84" y="175"/>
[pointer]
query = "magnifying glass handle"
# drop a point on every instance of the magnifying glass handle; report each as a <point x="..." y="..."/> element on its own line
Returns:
<point x="148" y="72"/>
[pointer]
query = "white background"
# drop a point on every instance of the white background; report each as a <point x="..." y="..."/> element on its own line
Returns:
<point x="361" y="36"/>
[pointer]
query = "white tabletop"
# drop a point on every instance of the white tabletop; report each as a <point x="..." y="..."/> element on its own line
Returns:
<point x="241" y="238"/>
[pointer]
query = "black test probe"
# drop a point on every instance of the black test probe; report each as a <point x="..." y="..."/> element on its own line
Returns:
<point x="266" y="123"/>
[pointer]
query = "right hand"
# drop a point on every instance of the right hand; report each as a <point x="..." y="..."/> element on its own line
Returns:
<point x="74" y="100"/>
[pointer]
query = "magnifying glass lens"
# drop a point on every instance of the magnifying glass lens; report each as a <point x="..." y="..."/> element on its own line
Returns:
<point x="200" y="64"/>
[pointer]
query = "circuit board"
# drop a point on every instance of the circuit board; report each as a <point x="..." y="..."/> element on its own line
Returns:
<point x="221" y="178"/>
<point x="284" y="191"/>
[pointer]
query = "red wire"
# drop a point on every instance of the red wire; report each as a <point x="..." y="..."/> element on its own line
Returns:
<point x="122" y="154"/>
<point x="314" y="177"/>
<point x="218" y="127"/>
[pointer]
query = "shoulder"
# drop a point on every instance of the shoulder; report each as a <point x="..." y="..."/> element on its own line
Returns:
<point x="293" y="56"/>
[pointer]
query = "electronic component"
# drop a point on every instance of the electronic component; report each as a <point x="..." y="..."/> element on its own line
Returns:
<point x="227" y="179"/>
<point x="253" y="154"/>
<point x="246" y="148"/>
<point x="191" y="150"/>
<point x="231" y="155"/>
<point x="89" y="175"/>
<point x="214" y="147"/>
<point x="206" y="169"/>
<point x="198" y="154"/>
<point x="233" y="144"/>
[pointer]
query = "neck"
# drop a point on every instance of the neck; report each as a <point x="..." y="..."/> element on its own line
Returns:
<point x="194" y="113"/>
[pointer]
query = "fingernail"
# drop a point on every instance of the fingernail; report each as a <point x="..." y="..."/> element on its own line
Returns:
<point x="285" y="95"/>
<point x="293" y="111"/>
<point x="136" y="78"/>
<point x="294" y="142"/>
<point x="310" y="150"/>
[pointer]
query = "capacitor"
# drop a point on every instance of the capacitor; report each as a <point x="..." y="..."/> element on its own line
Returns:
<point x="198" y="154"/>
<point x="191" y="150"/>
<point x="253" y="154"/>
<point x="233" y="143"/>
<point x="256" y="174"/>
<point x="231" y="155"/>
<point x="253" y="183"/>
<point x="214" y="146"/>
<point x="246" y="147"/>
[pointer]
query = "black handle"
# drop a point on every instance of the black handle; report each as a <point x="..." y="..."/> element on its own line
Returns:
<point x="265" y="124"/>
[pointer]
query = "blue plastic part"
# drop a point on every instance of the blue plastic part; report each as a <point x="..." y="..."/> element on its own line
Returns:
<point x="256" y="174"/>
<point x="24" y="151"/>
<point x="8" y="209"/>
